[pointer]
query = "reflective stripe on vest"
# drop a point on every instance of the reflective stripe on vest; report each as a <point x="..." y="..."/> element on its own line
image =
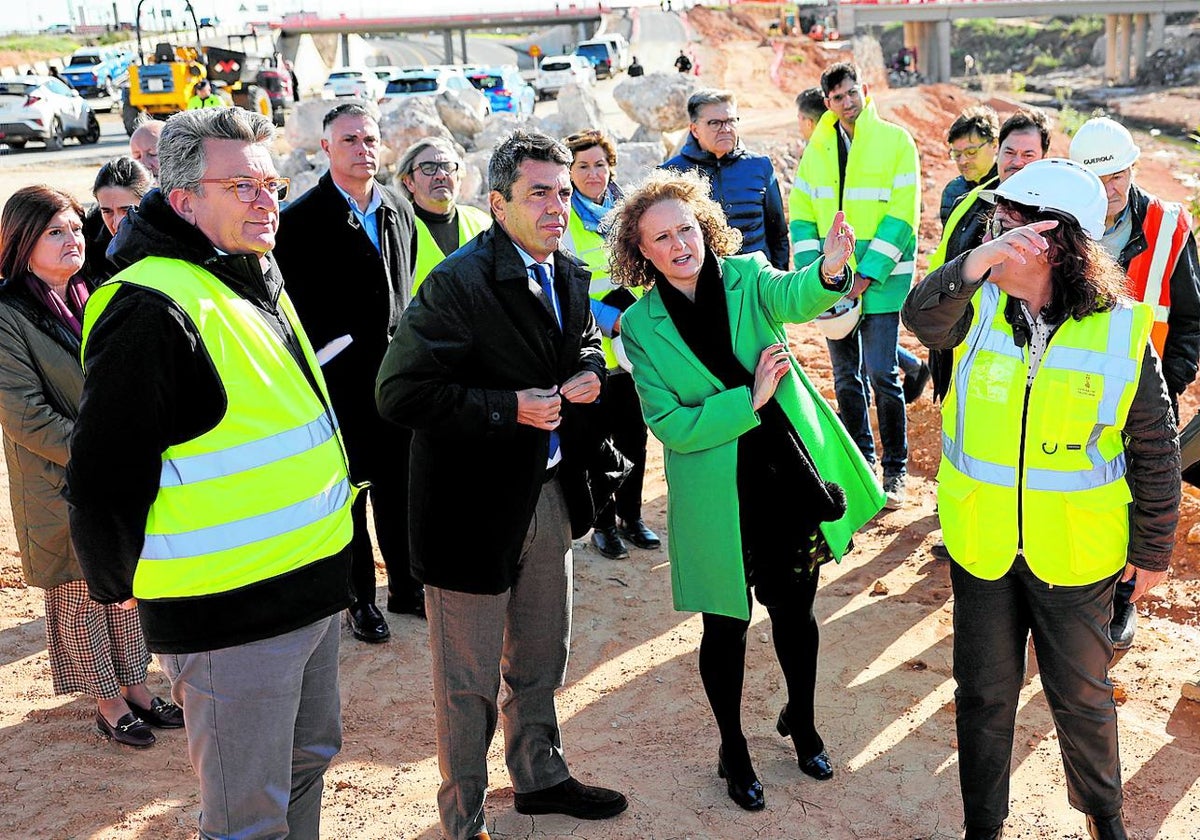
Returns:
<point x="1166" y="228"/>
<point x="1062" y="500"/>
<point x="471" y="222"/>
<point x="264" y="492"/>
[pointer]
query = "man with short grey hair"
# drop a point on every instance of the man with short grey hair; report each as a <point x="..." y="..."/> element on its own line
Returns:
<point x="208" y="486"/>
<point x="492" y="367"/>
<point x="742" y="183"/>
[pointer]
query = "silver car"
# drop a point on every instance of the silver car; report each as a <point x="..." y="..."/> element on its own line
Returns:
<point x="44" y="108"/>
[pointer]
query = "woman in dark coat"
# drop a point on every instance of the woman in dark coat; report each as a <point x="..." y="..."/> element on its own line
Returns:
<point x="94" y="649"/>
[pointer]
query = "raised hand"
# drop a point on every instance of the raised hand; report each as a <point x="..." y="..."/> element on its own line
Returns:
<point x="839" y="245"/>
<point x="1017" y="246"/>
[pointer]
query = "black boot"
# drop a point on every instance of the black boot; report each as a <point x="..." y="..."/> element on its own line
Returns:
<point x="1124" y="620"/>
<point x="1107" y="828"/>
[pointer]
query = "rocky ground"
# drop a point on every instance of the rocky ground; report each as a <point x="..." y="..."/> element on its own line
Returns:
<point x="633" y="712"/>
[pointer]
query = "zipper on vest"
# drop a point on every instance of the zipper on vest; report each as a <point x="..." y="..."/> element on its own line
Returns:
<point x="1021" y="472"/>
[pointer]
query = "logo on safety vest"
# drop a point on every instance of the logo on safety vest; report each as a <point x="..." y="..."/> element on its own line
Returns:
<point x="1086" y="389"/>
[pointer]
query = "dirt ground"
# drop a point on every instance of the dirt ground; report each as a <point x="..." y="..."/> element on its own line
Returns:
<point x="633" y="712"/>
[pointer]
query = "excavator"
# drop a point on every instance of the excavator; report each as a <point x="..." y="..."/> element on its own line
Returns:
<point x="160" y="84"/>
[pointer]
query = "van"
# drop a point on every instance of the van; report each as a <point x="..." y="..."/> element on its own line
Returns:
<point x="620" y="47"/>
<point x="557" y="71"/>
<point x="601" y="54"/>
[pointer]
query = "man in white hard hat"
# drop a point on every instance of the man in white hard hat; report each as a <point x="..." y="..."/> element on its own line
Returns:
<point x="1153" y="241"/>
<point x="1059" y="476"/>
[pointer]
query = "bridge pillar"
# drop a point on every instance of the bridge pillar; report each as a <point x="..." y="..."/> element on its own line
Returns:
<point x="1158" y="23"/>
<point x="462" y="42"/>
<point x="1110" y="47"/>
<point x="344" y="48"/>
<point x="448" y="45"/>
<point x="943" y="52"/>
<point x="1140" y="41"/>
<point x="1124" y="44"/>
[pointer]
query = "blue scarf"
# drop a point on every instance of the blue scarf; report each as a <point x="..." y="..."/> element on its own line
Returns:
<point x="589" y="212"/>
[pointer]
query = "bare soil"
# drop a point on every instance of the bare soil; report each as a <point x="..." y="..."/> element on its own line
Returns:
<point x="633" y="712"/>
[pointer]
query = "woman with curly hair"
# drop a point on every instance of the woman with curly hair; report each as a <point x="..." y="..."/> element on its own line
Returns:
<point x="764" y="483"/>
<point x="1059" y="477"/>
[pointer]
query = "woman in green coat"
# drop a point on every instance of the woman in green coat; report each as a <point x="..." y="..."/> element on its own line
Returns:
<point x="764" y="484"/>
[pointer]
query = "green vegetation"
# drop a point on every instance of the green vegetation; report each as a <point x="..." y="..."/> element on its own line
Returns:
<point x="43" y="44"/>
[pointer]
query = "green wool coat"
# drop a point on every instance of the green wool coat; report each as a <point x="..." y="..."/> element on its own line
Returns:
<point x="699" y="421"/>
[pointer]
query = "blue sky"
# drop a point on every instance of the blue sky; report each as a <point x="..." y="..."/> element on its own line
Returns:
<point x="39" y="14"/>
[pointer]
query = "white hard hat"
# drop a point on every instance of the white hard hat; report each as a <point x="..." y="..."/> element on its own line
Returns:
<point x="1104" y="146"/>
<point x="839" y="320"/>
<point x="1058" y="184"/>
<point x="618" y="346"/>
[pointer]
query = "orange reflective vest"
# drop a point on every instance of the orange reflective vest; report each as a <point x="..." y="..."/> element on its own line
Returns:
<point x="1166" y="228"/>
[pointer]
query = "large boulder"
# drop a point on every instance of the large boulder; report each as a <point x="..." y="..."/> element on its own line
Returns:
<point x="472" y="178"/>
<point x="656" y="100"/>
<point x="404" y="122"/>
<point x="496" y="128"/>
<point x="635" y="161"/>
<point x="462" y="112"/>
<point x="578" y="110"/>
<point x="303" y="127"/>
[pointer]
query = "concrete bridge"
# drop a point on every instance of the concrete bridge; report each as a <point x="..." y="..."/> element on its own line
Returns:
<point x="1133" y="28"/>
<point x="584" y="17"/>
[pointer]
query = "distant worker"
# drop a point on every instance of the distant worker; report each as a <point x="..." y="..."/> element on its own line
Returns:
<point x="635" y="68"/>
<point x="291" y="68"/>
<point x="431" y="175"/>
<point x="1152" y="240"/>
<point x="683" y="64"/>
<point x="743" y="183"/>
<point x="203" y="97"/>
<point x="867" y="167"/>
<point x="810" y="107"/>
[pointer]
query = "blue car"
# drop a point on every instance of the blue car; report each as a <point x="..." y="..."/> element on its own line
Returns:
<point x="505" y="89"/>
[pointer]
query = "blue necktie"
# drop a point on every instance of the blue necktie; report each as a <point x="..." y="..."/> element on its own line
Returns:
<point x="543" y="278"/>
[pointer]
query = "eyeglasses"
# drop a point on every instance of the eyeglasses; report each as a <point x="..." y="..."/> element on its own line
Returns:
<point x="996" y="226"/>
<point x="969" y="152"/>
<point x="850" y="93"/>
<point x="431" y="167"/>
<point x="723" y="125"/>
<point x="248" y="190"/>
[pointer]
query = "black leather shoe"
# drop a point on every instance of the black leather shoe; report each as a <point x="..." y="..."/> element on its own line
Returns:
<point x="641" y="536"/>
<point x="609" y="543"/>
<point x="1124" y="620"/>
<point x="975" y="832"/>
<point x="940" y="552"/>
<point x="913" y="386"/>
<point x="130" y="730"/>
<point x="573" y="798"/>
<point x="368" y="624"/>
<point x="817" y="766"/>
<point x="1106" y="828"/>
<point x="411" y="604"/>
<point x="743" y="786"/>
<point x="162" y="714"/>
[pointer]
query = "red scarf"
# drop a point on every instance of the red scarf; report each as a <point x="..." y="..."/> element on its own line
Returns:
<point x="69" y="311"/>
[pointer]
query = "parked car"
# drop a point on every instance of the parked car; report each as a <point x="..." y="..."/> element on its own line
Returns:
<point x="58" y="29"/>
<point x="505" y="89"/>
<point x="358" y="82"/>
<point x="557" y="71"/>
<point x="620" y="48"/>
<point x="429" y="82"/>
<point x="97" y="71"/>
<point x="386" y="71"/>
<point x="601" y="54"/>
<point x="44" y="108"/>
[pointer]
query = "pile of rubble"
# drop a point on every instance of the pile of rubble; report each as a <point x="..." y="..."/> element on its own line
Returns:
<point x="657" y="102"/>
<point x="1178" y="63"/>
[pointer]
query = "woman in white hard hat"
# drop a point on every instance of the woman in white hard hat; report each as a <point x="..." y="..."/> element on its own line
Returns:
<point x="764" y="483"/>
<point x="1059" y="476"/>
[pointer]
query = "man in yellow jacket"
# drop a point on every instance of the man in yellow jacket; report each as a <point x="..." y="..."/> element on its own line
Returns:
<point x="867" y="167"/>
<point x="203" y="97"/>
<point x="431" y="175"/>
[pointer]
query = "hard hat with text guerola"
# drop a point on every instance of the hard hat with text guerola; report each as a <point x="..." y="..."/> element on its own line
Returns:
<point x="1057" y="184"/>
<point x="1104" y="146"/>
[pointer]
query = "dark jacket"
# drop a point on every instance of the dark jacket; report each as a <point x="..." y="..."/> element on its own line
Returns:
<point x="744" y="185"/>
<point x="40" y="383"/>
<point x="1182" y="348"/>
<point x="150" y="384"/>
<point x="473" y="337"/>
<point x="938" y="310"/>
<point x="340" y="286"/>
<point x="955" y="190"/>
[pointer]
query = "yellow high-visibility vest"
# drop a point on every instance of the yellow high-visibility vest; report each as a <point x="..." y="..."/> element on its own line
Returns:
<point x="471" y="222"/>
<point x="267" y="490"/>
<point x="590" y="247"/>
<point x="1040" y="469"/>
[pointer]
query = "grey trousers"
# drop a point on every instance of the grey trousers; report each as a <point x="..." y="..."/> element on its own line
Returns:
<point x="521" y="635"/>
<point x="263" y="723"/>
<point x="1069" y="624"/>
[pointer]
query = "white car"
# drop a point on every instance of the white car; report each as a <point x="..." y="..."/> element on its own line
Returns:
<point x="43" y="108"/>
<point x="427" y="82"/>
<point x="557" y="71"/>
<point x="357" y="82"/>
